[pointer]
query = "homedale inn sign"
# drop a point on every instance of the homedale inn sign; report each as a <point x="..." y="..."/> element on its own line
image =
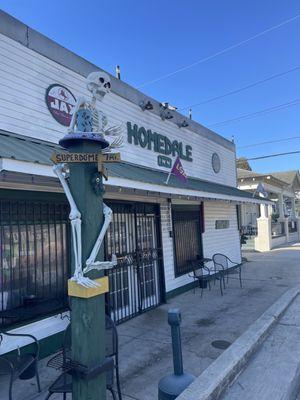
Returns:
<point x="158" y="143"/>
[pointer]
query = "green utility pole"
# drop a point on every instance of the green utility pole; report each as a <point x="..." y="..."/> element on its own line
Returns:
<point x="88" y="314"/>
<point x="84" y="142"/>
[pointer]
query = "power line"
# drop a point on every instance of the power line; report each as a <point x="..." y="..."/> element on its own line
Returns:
<point x="258" y="113"/>
<point x="269" y="142"/>
<point x="269" y="156"/>
<point x="218" y="53"/>
<point x="251" y="85"/>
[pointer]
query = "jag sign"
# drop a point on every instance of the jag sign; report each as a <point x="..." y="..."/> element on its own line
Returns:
<point x="60" y="102"/>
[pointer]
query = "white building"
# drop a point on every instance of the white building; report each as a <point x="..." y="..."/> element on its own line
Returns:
<point x="161" y="227"/>
<point x="282" y="188"/>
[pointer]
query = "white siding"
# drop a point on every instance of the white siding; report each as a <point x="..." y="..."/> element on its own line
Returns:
<point x="226" y="241"/>
<point x="167" y="243"/>
<point x="24" y="77"/>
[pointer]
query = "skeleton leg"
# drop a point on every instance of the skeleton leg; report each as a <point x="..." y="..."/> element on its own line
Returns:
<point x="100" y="265"/>
<point x="75" y="218"/>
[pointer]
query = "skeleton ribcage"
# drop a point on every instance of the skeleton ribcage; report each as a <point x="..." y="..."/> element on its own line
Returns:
<point x="89" y="119"/>
<point x="95" y="121"/>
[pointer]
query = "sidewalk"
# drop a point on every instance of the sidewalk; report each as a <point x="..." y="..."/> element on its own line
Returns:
<point x="145" y="350"/>
<point x="273" y="371"/>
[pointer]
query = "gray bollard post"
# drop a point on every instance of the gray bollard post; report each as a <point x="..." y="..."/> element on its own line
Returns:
<point x="172" y="385"/>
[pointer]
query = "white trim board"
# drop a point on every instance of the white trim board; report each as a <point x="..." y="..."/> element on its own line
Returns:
<point x="45" y="170"/>
<point x="40" y="329"/>
<point x="26" y="167"/>
<point x="126" y="183"/>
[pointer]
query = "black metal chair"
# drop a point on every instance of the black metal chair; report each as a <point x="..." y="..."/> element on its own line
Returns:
<point x="62" y="361"/>
<point x="197" y="274"/>
<point x="21" y="365"/>
<point x="228" y="266"/>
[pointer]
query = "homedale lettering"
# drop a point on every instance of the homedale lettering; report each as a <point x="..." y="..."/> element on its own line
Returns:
<point x="158" y="143"/>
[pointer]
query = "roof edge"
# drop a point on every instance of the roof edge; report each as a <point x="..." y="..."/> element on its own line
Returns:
<point x="34" y="40"/>
<point x="263" y="177"/>
<point x="30" y="139"/>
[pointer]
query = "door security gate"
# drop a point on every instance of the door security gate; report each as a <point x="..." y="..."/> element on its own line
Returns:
<point x="133" y="235"/>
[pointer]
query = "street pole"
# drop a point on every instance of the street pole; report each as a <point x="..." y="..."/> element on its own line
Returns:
<point x="88" y="314"/>
<point x="170" y="386"/>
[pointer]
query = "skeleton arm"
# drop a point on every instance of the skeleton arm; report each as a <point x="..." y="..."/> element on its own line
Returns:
<point x="79" y="103"/>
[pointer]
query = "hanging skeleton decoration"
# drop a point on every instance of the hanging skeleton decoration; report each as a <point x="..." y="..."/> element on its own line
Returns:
<point x="75" y="218"/>
<point x="87" y="119"/>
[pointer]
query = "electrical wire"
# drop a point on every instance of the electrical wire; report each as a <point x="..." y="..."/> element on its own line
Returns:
<point x="251" y="85"/>
<point x="218" y="53"/>
<point x="258" y="113"/>
<point x="268" y="156"/>
<point x="268" y="142"/>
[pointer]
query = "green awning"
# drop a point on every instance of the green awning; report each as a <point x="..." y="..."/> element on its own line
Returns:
<point x="156" y="177"/>
<point x="24" y="148"/>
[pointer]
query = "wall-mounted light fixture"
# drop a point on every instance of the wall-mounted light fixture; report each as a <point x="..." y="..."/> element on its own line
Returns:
<point x="146" y="105"/>
<point x="165" y="111"/>
<point x="168" y="106"/>
<point x="166" y="115"/>
<point x="183" y="124"/>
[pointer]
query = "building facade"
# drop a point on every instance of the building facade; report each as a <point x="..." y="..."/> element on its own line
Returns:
<point x="157" y="228"/>
<point x="282" y="188"/>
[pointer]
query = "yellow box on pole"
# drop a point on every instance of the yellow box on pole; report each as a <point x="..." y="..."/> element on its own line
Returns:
<point x="76" y="290"/>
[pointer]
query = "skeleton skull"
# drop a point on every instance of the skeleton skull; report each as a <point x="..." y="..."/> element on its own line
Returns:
<point x="99" y="84"/>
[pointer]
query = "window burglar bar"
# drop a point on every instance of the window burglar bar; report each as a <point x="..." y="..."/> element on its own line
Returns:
<point x="34" y="263"/>
<point x="135" y="285"/>
<point x="33" y="258"/>
<point x="187" y="239"/>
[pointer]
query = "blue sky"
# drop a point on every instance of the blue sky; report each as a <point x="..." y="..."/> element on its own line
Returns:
<point x="149" y="39"/>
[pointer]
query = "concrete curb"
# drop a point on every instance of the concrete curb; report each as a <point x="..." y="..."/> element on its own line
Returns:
<point x="216" y="378"/>
<point x="294" y="388"/>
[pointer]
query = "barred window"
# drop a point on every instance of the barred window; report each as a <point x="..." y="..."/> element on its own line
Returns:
<point x="33" y="258"/>
<point x="187" y="223"/>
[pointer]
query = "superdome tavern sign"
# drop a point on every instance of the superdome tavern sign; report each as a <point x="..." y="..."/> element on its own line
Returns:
<point x="158" y="143"/>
